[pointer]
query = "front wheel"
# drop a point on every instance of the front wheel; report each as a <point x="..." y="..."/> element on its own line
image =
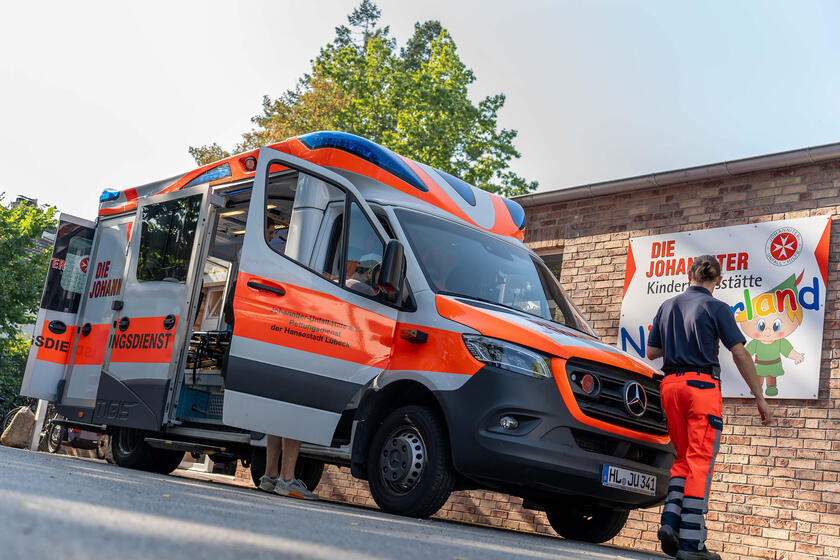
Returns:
<point x="586" y="523"/>
<point x="131" y="451"/>
<point x="409" y="465"/>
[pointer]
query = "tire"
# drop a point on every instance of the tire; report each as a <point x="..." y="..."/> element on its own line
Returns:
<point x="586" y="523"/>
<point x="410" y="469"/>
<point x="55" y="436"/>
<point x="309" y="471"/>
<point x="132" y="452"/>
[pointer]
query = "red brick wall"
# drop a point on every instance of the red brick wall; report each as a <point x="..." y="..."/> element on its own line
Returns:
<point x="776" y="492"/>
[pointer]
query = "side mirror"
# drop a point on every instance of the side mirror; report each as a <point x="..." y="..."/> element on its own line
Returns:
<point x="392" y="273"/>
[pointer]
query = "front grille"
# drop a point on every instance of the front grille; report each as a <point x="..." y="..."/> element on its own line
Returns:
<point x="609" y="404"/>
<point x="604" y="445"/>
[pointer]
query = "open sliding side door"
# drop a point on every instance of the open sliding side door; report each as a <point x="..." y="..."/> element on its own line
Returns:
<point x="150" y="323"/>
<point x="54" y="326"/>
<point x="304" y="342"/>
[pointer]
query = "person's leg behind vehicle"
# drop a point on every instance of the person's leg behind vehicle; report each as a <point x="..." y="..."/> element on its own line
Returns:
<point x="288" y="484"/>
<point x="273" y="447"/>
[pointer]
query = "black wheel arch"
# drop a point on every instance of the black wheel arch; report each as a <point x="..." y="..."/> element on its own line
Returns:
<point x="376" y="403"/>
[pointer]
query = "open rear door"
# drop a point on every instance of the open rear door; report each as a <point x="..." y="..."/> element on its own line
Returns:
<point x="150" y="318"/>
<point x="56" y="320"/>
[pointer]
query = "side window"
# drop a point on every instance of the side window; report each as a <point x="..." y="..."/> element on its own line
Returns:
<point x="166" y="239"/>
<point x="331" y="267"/>
<point x="364" y="253"/>
<point x="295" y="208"/>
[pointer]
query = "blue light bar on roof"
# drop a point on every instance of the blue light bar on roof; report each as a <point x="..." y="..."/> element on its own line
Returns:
<point x="218" y="172"/>
<point x="367" y="150"/>
<point x="109" y="194"/>
<point x="516" y="212"/>
<point x="461" y="187"/>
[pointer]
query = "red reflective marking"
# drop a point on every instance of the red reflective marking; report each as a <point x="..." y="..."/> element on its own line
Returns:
<point x="54" y="348"/>
<point x="145" y="341"/>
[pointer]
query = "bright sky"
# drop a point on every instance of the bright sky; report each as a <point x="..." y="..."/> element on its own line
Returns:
<point x="111" y="94"/>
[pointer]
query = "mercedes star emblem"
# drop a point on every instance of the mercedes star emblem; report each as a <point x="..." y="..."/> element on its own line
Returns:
<point x="635" y="398"/>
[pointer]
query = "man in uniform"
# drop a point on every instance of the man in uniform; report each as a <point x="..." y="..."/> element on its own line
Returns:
<point x="687" y="331"/>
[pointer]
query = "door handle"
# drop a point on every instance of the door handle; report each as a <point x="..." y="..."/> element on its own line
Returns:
<point x="123" y="324"/>
<point x="57" y="327"/>
<point x="277" y="290"/>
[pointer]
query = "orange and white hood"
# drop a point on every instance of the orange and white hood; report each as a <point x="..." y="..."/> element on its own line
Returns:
<point x="534" y="332"/>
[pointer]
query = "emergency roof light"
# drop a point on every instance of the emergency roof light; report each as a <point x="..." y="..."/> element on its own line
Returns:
<point x="109" y="194"/>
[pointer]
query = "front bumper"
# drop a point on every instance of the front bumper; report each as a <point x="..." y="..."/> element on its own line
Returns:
<point x="551" y="457"/>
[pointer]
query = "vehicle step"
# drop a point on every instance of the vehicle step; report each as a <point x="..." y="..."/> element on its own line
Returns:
<point x="185" y="446"/>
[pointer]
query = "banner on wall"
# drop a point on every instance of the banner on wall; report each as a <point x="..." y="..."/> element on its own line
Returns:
<point x="774" y="280"/>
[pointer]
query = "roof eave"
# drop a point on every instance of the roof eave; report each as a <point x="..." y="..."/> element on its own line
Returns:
<point x="803" y="156"/>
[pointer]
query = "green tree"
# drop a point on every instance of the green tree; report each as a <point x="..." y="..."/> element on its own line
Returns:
<point x="413" y="100"/>
<point x="22" y="273"/>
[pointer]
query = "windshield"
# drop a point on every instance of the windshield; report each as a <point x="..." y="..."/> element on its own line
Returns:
<point x="461" y="261"/>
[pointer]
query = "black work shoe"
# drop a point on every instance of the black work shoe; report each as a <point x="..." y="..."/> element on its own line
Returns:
<point x="669" y="540"/>
<point x="704" y="554"/>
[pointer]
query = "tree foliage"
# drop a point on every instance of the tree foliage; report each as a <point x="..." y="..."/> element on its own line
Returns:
<point x="413" y="100"/>
<point x="22" y="273"/>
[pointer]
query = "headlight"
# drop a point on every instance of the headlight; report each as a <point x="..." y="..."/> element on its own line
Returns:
<point x="506" y="355"/>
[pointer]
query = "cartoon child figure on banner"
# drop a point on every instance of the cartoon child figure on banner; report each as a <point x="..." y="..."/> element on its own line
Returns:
<point x="768" y="319"/>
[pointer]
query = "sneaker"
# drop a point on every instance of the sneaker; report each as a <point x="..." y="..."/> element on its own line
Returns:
<point x="669" y="540"/>
<point x="772" y="391"/>
<point x="268" y="483"/>
<point x="294" y="488"/>
<point x="704" y="554"/>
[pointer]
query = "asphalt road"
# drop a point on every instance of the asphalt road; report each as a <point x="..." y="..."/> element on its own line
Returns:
<point x="59" y="507"/>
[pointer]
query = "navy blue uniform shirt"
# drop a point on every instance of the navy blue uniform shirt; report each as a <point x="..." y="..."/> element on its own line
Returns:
<point x="688" y="328"/>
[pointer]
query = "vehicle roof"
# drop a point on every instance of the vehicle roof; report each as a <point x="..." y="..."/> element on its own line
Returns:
<point x="377" y="172"/>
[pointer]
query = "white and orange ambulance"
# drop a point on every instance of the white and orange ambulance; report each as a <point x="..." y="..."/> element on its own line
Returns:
<point x="383" y="312"/>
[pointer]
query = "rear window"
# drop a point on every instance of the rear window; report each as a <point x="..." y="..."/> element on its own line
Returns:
<point x="166" y="240"/>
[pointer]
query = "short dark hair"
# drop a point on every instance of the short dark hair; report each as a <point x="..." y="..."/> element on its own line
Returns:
<point x="705" y="268"/>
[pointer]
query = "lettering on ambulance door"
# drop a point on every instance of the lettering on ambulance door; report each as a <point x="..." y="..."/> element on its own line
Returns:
<point x="95" y="315"/>
<point x="147" y="334"/>
<point x="309" y="329"/>
<point x="56" y="319"/>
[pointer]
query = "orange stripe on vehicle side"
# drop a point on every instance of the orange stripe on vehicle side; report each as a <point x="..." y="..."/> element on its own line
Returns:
<point x="443" y="351"/>
<point x="54" y="348"/>
<point x="311" y="321"/>
<point x="145" y="341"/>
<point x="91" y="348"/>
<point x="558" y="369"/>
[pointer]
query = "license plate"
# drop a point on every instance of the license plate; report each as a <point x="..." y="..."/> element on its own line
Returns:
<point x="634" y="481"/>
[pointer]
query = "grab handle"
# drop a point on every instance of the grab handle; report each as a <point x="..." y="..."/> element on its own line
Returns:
<point x="277" y="290"/>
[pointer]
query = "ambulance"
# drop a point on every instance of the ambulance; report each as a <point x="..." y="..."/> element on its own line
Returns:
<point x="385" y="313"/>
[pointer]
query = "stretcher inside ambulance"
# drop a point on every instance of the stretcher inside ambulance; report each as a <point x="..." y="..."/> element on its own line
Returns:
<point x="381" y="311"/>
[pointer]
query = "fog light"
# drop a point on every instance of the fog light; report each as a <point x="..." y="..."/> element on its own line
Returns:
<point x="508" y="422"/>
<point x="589" y="384"/>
